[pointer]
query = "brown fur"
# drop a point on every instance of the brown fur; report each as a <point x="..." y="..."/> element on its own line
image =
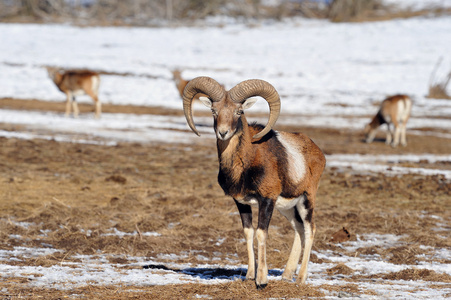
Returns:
<point x="239" y="154"/>
<point x="389" y="113"/>
<point x="259" y="166"/>
<point x="73" y="82"/>
<point x="268" y="169"/>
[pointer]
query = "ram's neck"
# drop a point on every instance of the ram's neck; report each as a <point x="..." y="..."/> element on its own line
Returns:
<point x="234" y="154"/>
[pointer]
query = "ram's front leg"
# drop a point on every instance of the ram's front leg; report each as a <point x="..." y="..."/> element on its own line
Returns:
<point x="246" y="219"/>
<point x="265" y="209"/>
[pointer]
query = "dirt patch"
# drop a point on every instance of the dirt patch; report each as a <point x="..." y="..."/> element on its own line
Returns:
<point x="418" y="274"/>
<point x="340" y="269"/>
<point x="404" y="255"/>
<point x="117" y="179"/>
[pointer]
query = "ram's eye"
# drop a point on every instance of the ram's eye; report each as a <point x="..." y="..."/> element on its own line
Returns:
<point x="238" y="112"/>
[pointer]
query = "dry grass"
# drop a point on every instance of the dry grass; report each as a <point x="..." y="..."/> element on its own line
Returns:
<point x="438" y="87"/>
<point x="72" y="189"/>
<point x="438" y="91"/>
<point x="231" y="290"/>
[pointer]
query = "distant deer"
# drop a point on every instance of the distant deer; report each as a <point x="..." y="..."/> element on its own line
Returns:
<point x="75" y="83"/>
<point x="394" y="111"/>
<point x="181" y="83"/>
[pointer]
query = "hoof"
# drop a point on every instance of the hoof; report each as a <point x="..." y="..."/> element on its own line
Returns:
<point x="287" y="279"/>
<point x="301" y="280"/>
<point x="261" y="286"/>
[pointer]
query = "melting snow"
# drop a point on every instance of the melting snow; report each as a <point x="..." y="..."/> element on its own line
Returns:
<point x="97" y="270"/>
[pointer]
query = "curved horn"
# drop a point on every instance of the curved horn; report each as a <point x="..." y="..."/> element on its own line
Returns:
<point x="257" y="87"/>
<point x="204" y="85"/>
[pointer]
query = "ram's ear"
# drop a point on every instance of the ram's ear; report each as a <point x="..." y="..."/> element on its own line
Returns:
<point x="248" y="103"/>
<point x="206" y="101"/>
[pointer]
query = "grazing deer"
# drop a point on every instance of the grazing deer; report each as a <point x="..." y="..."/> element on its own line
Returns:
<point x="75" y="83"/>
<point x="394" y="110"/>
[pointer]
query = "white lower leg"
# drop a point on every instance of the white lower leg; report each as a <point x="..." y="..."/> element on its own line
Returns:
<point x="293" y="260"/>
<point x="98" y="109"/>
<point x="371" y="136"/>
<point x="389" y="136"/>
<point x="249" y="235"/>
<point x="309" y="234"/>
<point x="403" y="136"/>
<point x="68" y="104"/>
<point x="75" y="107"/>
<point x="296" y="249"/>
<point x="262" y="268"/>
<point x="397" y="136"/>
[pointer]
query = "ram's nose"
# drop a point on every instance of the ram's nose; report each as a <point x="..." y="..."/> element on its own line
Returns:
<point x="222" y="134"/>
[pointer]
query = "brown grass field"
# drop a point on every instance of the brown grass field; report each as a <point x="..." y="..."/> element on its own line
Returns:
<point x="68" y="190"/>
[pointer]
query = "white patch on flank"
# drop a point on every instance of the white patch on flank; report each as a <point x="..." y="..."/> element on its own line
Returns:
<point x="295" y="159"/>
<point x="95" y="83"/>
<point x="404" y="109"/>
<point x="401" y="111"/>
<point x="78" y="92"/>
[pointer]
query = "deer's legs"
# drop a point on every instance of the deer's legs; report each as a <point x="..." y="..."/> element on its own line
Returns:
<point x="69" y="99"/>
<point x="390" y="134"/>
<point x="75" y="107"/>
<point x="403" y="134"/>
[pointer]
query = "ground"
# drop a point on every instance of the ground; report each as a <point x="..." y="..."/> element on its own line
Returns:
<point x="76" y="193"/>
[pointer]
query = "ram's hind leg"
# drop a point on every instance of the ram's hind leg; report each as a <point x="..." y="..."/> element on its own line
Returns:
<point x="305" y="210"/>
<point x="246" y="219"/>
<point x="295" y="220"/>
